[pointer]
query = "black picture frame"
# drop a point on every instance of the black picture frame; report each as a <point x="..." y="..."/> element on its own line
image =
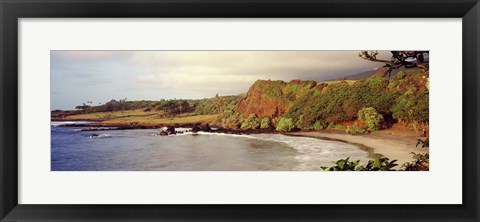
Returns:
<point x="12" y="10"/>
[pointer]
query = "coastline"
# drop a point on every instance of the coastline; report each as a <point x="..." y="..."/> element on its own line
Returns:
<point x="396" y="144"/>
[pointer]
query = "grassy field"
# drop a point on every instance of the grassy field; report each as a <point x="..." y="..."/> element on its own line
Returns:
<point x="112" y="115"/>
<point x="143" y="118"/>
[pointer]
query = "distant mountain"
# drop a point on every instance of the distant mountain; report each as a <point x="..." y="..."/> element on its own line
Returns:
<point x="363" y="75"/>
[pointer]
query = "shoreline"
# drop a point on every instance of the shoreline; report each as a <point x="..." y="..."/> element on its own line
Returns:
<point x="394" y="143"/>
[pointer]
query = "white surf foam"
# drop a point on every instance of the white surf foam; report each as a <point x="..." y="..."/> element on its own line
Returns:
<point x="312" y="152"/>
<point x="60" y="123"/>
<point x="103" y="135"/>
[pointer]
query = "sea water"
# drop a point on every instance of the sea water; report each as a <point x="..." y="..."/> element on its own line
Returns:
<point x="144" y="150"/>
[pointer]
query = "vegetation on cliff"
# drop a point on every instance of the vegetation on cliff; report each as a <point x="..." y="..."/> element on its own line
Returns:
<point x="372" y="103"/>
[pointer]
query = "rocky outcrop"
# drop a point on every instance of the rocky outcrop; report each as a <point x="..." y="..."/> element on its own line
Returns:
<point x="205" y="128"/>
<point x="274" y="98"/>
<point x="195" y="129"/>
<point x="171" y="130"/>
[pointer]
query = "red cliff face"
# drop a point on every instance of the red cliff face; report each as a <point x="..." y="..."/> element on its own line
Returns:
<point x="273" y="98"/>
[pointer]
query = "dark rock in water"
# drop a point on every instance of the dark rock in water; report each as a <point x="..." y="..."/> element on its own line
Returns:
<point x="163" y="133"/>
<point x="205" y="128"/>
<point x="195" y="128"/>
<point x="171" y="130"/>
<point x="179" y="132"/>
<point x="93" y="135"/>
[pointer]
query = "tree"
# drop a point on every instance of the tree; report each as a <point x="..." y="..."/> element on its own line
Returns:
<point x="82" y="107"/>
<point x="407" y="59"/>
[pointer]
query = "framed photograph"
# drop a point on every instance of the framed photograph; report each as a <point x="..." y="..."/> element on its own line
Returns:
<point x="227" y="110"/>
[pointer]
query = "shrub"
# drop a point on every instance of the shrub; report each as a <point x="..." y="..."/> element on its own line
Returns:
<point x="412" y="106"/>
<point x="265" y="123"/>
<point x="317" y="126"/>
<point x="342" y="165"/>
<point x="355" y="130"/>
<point x="424" y="143"/>
<point x="230" y="119"/>
<point x="252" y="122"/>
<point x="304" y="121"/>
<point x="285" y="124"/>
<point x="420" y="162"/>
<point x="215" y="105"/>
<point x="371" y="118"/>
<point x="381" y="164"/>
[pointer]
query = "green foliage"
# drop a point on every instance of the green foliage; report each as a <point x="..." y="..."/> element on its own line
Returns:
<point x="272" y="89"/>
<point x="252" y="122"/>
<point x="335" y="96"/>
<point x="342" y="165"/>
<point x="424" y="143"/>
<point x="313" y="106"/>
<point x="302" y="123"/>
<point x="355" y="130"/>
<point x="206" y="106"/>
<point x="400" y="75"/>
<point x="285" y="124"/>
<point x="317" y="126"/>
<point x="230" y="119"/>
<point x="335" y="126"/>
<point x="371" y="118"/>
<point x="412" y="106"/>
<point x="341" y="102"/>
<point x="172" y="107"/>
<point x="371" y="92"/>
<point x="215" y="105"/>
<point x="121" y="105"/>
<point x="320" y="108"/>
<point x="265" y="123"/>
<point x="292" y="89"/>
<point x="380" y="164"/>
<point x="309" y="84"/>
<point x="420" y="162"/>
<point x="274" y="92"/>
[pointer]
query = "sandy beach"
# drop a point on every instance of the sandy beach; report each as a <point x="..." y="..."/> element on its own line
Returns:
<point x="396" y="144"/>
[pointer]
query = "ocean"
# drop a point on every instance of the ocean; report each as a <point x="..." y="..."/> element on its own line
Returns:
<point x="145" y="150"/>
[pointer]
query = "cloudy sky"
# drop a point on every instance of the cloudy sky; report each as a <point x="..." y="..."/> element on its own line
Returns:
<point x="99" y="76"/>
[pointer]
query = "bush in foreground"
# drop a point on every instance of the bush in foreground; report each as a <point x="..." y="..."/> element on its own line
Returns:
<point x="421" y="162"/>
<point x="381" y="164"/>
